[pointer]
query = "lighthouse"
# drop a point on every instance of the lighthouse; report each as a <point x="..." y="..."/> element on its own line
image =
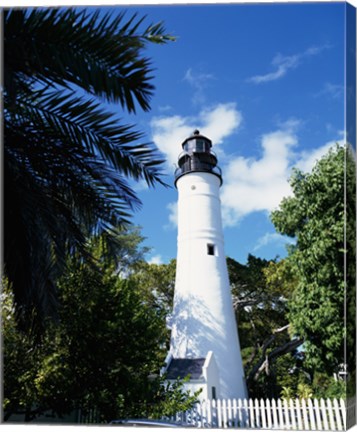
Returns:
<point x="204" y="338"/>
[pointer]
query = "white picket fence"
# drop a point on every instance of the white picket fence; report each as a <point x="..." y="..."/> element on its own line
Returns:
<point x="293" y="414"/>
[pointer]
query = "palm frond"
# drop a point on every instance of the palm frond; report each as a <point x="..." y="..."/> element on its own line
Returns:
<point x="69" y="47"/>
<point x="66" y="158"/>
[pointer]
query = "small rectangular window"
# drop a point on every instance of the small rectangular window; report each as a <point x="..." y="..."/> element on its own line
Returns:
<point x="214" y="396"/>
<point x="210" y="249"/>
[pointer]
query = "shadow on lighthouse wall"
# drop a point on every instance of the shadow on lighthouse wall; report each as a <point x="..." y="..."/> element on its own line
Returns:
<point x="196" y="331"/>
<point x="195" y="328"/>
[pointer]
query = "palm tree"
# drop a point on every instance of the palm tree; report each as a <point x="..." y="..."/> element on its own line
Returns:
<point x="67" y="157"/>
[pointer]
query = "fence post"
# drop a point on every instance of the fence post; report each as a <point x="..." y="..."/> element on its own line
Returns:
<point x="199" y="415"/>
<point x="343" y="411"/>
<point x="298" y="414"/>
<point x="245" y="413"/>
<point x="214" y="414"/>
<point x="324" y="416"/>
<point x="234" y="411"/>
<point x="304" y="413"/>
<point x="224" y="409"/>
<point x="275" y="414"/>
<point x="292" y="413"/>
<point x="311" y="414"/>
<point x="286" y="412"/>
<point x="207" y="412"/>
<point x="219" y="413"/>
<point x="330" y="414"/>
<point x="280" y="412"/>
<point x="337" y="414"/>
<point x="252" y="423"/>
<point x="256" y="412"/>
<point x="268" y="414"/>
<point x="262" y="414"/>
<point x="230" y="413"/>
<point x="317" y="414"/>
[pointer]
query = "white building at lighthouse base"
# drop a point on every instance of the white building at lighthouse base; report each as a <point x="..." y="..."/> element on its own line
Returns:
<point x="203" y="373"/>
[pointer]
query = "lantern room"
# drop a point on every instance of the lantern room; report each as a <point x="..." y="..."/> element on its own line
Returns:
<point x="197" y="156"/>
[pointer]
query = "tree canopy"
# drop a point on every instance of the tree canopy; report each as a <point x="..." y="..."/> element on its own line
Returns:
<point x="316" y="216"/>
<point x="67" y="156"/>
<point x="102" y="357"/>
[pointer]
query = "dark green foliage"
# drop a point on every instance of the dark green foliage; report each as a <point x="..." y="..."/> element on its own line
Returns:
<point x="119" y="251"/>
<point x="21" y="360"/>
<point x="171" y="398"/>
<point x="113" y="340"/>
<point x="105" y="352"/>
<point x="67" y="157"/>
<point x="157" y="282"/>
<point x="315" y="215"/>
<point x="328" y="387"/>
<point x="99" y="356"/>
<point x="259" y="305"/>
<point x="350" y="266"/>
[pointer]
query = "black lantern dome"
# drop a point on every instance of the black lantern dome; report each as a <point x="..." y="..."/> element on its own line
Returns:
<point x="197" y="156"/>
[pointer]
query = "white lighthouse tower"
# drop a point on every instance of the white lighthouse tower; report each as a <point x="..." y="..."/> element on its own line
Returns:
<point x="204" y="337"/>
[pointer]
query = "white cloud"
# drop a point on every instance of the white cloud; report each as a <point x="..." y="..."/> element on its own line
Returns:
<point x="282" y="64"/>
<point x="198" y="82"/>
<point x="269" y="238"/>
<point x="334" y="91"/>
<point x="169" y="133"/>
<point x="307" y="160"/>
<point x="216" y="122"/>
<point x="252" y="185"/>
<point x="197" y="79"/>
<point x="258" y="184"/>
<point x="156" y="259"/>
<point x="220" y="122"/>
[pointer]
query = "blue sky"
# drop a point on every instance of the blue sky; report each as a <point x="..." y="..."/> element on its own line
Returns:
<point x="265" y="82"/>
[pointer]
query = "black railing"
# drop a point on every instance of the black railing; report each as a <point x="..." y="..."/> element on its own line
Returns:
<point x="191" y="153"/>
<point x="191" y="165"/>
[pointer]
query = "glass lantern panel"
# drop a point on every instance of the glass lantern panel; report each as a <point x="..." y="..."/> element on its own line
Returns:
<point x="200" y="145"/>
<point x="189" y="146"/>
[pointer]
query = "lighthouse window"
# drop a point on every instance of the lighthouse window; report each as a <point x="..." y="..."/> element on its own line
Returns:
<point x="214" y="395"/>
<point x="210" y="249"/>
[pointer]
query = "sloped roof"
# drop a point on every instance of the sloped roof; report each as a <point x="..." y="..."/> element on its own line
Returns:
<point x="181" y="367"/>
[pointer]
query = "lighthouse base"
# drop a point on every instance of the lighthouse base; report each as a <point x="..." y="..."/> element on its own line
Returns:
<point x="202" y="373"/>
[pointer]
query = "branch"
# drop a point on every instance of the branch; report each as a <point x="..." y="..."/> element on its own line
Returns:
<point x="266" y="359"/>
<point x="251" y="298"/>
<point x="240" y="303"/>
